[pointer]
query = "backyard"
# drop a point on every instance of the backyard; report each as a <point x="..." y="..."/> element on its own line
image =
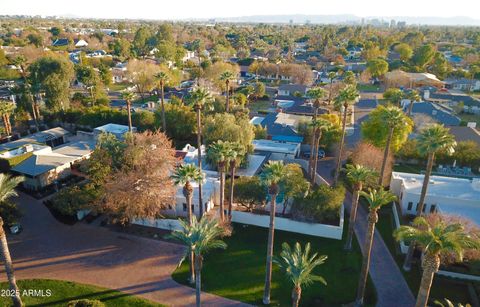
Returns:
<point x="239" y="271"/>
<point x="455" y="291"/>
<point x="64" y="291"/>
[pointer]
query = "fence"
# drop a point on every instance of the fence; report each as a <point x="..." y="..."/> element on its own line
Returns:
<point x="167" y="224"/>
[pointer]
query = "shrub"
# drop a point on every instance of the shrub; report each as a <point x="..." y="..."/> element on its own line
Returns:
<point x="72" y="199"/>
<point x="322" y="205"/>
<point x="85" y="303"/>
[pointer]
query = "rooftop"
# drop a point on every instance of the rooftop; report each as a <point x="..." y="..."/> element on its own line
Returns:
<point x="114" y="129"/>
<point x="273" y="146"/>
<point x="447" y="187"/>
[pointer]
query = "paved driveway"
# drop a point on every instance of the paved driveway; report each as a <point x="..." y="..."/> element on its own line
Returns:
<point x="95" y="255"/>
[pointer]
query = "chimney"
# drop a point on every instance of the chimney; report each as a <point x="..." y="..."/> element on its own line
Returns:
<point x="426" y="94"/>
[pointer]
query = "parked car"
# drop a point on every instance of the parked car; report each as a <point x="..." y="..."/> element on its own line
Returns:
<point x="321" y="154"/>
<point x="15" y="228"/>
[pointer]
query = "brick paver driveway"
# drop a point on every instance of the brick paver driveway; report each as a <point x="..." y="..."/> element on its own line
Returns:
<point x="95" y="255"/>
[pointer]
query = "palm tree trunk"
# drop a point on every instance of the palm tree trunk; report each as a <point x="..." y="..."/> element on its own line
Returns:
<point x="372" y="220"/>
<point x="296" y="294"/>
<point x="17" y="301"/>
<point x="317" y="148"/>
<point x="312" y="144"/>
<point x="199" y="148"/>
<point x="342" y="142"/>
<point x="189" y="217"/>
<point x="129" y="112"/>
<point x="227" y="96"/>
<point x="407" y="265"/>
<point x="431" y="263"/>
<point x="9" y="124"/>
<point x="34" y="113"/>
<point x="164" y="121"/>
<point x="271" y="232"/>
<point x="353" y="216"/>
<point x="385" y="156"/>
<point x="221" y="169"/>
<point x="198" y="281"/>
<point x="232" y="185"/>
<point x="410" y="108"/>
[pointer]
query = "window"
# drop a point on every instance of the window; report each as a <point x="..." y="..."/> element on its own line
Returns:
<point x="424" y="207"/>
<point x="193" y="208"/>
<point x="416" y="208"/>
<point x="410" y="205"/>
<point x="184" y="207"/>
<point x="433" y="208"/>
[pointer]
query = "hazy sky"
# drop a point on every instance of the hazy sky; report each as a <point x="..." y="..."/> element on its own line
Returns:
<point x="181" y="9"/>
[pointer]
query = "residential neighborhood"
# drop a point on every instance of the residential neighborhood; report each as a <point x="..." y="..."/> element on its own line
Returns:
<point x="303" y="159"/>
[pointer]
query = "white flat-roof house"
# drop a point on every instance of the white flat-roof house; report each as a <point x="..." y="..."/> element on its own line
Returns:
<point x="115" y="129"/>
<point x="449" y="195"/>
<point x="277" y="150"/>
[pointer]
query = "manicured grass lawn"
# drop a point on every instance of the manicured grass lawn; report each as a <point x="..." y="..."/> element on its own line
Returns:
<point x="261" y="105"/>
<point x="470" y="118"/>
<point x="441" y="288"/>
<point x="406" y="168"/>
<point x="239" y="271"/>
<point x="64" y="291"/>
<point x="368" y="88"/>
<point x="116" y="87"/>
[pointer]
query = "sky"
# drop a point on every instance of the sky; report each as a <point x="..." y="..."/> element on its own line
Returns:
<point x="187" y="9"/>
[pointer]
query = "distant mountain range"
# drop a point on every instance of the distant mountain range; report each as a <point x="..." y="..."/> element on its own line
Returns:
<point x="349" y="19"/>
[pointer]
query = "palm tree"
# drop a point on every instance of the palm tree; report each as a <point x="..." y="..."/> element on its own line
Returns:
<point x="272" y="175"/>
<point x="394" y="118"/>
<point x="218" y="151"/>
<point x="358" y="175"/>
<point x="375" y="199"/>
<point x="7" y="190"/>
<point x="200" y="97"/>
<point x="432" y="139"/>
<point x="315" y="94"/>
<point x="331" y="75"/>
<point x="162" y="79"/>
<point x="235" y="154"/>
<point x="298" y="266"/>
<point x="6" y="109"/>
<point x="226" y="76"/>
<point x="319" y="127"/>
<point x="436" y="238"/>
<point x="185" y="175"/>
<point x="348" y="96"/>
<point x="413" y="96"/>
<point x="21" y="62"/>
<point x="129" y="97"/>
<point x="199" y="237"/>
<point x="349" y="78"/>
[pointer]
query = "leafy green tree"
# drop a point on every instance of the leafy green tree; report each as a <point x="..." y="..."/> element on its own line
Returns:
<point x="141" y="43"/>
<point x="423" y="56"/>
<point x="436" y="239"/>
<point x="294" y="184"/>
<point x="347" y="97"/>
<point x="53" y="75"/>
<point x="180" y="122"/>
<point x="430" y="141"/>
<point x="405" y="51"/>
<point x="375" y="199"/>
<point x="55" y="31"/>
<point x="7" y="191"/>
<point x="298" y="266"/>
<point x="377" y="67"/>
<point x="249" y="192"/>
<point x="200" y="237"/>
<point x="121" y="48"/>
<point x="357" y="175"/>
<point x="272" y="176"/>
<point x="90" y="78"/>
<point x="394" y="96"/>
<point x="320" y="205"/>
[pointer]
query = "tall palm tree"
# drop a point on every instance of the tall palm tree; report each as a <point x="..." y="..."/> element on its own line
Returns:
<point x="436" y="238"/>
<point x="162" y="79"/>
<point x="199" y="237"/>
<point x="320" y="126"/>
<point x="21" y="62"/>
<point x="200" y="98"/>
<point x="234" y="155"/>
<point x="226" y="76"/>
<point x="358" y="175"/>
<point x="272" y="176"/>
<point x="413" y="96"/>
<point x="376" y="199"/>
<point x="129" y="97"/>
<point x="185" y="175"/>
<point x="349" y="78"/>
<point x="6" y="109"/>
<point x="331" y="75"/>
<point x="7" y="190"/>
<point x="298" y="266"/>
<point x="394" y="118"/>
<point x="218" y="151"/>
<point x="314" y="94"/>
<point x="347" y="97"/>
<point x="432" y="139"/>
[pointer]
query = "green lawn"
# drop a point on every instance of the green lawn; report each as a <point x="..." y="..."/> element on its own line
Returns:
<point x="442" y="287"/>
<point x="470" y="118"/>
<point x="239" y="271"/>
<point x="261" y="105"/>
<point x="406" y="168"/>
<point x="64" y="291"/>
<point x="117" y="87"/>
<point x="368" y="88"/>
